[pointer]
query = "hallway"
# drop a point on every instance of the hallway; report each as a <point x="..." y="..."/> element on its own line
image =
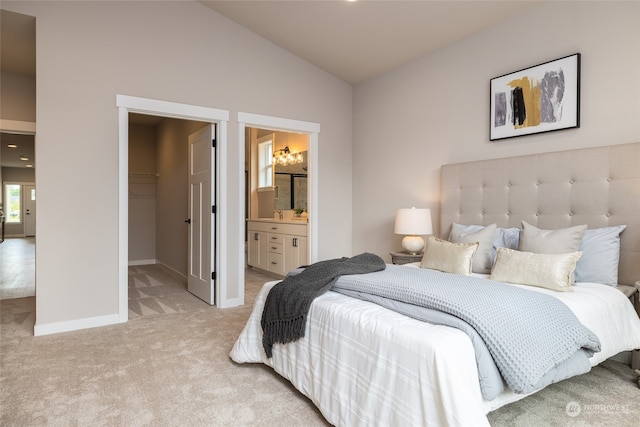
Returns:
<point x="17" y="268"/>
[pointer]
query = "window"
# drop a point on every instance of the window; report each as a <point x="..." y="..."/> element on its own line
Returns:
<point x="265" y="161"/>
<point x="12" y="203"/>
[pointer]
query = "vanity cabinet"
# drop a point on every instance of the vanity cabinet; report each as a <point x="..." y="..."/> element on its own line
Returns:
<point x="276" y="246"/>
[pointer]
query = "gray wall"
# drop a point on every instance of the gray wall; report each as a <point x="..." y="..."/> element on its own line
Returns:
<point x="142" y="193"/>
<point x="18" y="100"/>
<point x="172" y="51"/>
<point x="435" y="110"/>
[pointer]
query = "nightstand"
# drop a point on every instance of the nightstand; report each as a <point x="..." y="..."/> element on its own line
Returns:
<point x="400" y="258"/>
<point x="631" y="292"/>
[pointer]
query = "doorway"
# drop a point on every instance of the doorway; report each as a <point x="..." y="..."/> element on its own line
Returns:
<point x="166" y="177"/>
<point x="17" y="203"/>
<point x="144" y="106"/>
<point x="312" y="130"/>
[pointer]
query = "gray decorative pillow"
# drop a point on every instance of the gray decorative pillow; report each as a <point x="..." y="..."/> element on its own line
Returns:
<point x="482" y="260"/>
<point x="560" y="241"/>
<point x="600" y="255"/>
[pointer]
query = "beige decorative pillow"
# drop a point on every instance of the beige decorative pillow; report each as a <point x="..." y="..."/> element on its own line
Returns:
<point x="485" y="236"/>
<point x="550" y="271"/>
<point x="448" y="257"/>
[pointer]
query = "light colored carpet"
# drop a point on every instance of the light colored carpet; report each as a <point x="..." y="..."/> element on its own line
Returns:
<point x="155" y="289"/>
<point x="173" y="369"/>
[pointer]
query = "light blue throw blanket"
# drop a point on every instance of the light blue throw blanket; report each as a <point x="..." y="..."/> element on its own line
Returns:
<point x="530" y="338"/>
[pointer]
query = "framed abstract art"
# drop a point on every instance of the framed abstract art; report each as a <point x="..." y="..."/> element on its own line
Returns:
<point x="537" y="99"/>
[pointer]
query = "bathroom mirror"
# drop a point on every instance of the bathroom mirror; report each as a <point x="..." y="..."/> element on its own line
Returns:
<point x="290" y="182"/>
<point x="276" y="166"/>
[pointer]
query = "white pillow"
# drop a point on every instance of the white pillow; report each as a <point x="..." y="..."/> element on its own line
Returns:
<point x="560" y="241"/>
<point x="482" y="260"/>
<point x="550" y="271"/>
<point x="448" y="257"/>
<point x="600" y="255"/>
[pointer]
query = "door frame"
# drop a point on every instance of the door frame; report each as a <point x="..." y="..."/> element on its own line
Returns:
<point x="130" y="104"/>
<point x="287" y="125"/>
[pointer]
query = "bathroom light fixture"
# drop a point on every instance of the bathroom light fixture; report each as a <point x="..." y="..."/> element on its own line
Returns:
<point x="412" y="223"/>
<point x="286" y="157"/>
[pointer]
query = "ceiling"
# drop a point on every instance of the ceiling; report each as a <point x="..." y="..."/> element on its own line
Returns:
<point x="353" y="40"/>
<point x="11" y="156"/>
<point x="357" y="40"/>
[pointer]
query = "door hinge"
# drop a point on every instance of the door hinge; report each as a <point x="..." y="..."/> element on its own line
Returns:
<point x="213" y="275"/>
<point x="213" y="209"/>
<point x="213" y="143"/>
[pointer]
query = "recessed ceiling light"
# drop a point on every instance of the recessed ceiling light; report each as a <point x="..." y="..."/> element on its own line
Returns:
<point x="23" y="158"/>
<point x="12" y="146"/>
<point x="29" y="165"/>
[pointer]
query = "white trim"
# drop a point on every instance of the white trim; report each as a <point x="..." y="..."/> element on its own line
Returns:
<point x="222" y="299"/>
<point x="277" y="123"/>
<point x="74" y="325"/>
<point x="18" y="127"/>
<point x="173" y="270"/>
<point x="142" y="262"/>
<point x="312" y="209"/>
<point x="123" y="214"/>
<point x="280" y="124"/>
<point x="176" y="110"/>
<point x="130" y="104"/>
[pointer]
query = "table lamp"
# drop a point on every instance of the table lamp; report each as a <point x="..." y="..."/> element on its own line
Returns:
<point x="413" y="223"/>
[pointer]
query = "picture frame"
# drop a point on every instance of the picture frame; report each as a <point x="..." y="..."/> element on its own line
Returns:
<point x="542" y="98"/>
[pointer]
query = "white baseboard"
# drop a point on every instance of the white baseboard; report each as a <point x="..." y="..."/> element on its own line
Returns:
<point x="142" y="262"/>
<point x="74" y="325"/>
<point x="173" y="270"/>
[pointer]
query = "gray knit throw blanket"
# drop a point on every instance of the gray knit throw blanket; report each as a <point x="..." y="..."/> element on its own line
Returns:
<point x="285" y="311"/>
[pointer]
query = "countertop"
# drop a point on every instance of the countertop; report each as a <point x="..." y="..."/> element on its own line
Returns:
<point x="280" y="221"/>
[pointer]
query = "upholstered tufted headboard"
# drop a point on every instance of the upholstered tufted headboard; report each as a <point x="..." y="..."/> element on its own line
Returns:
<point x="598" y="186"/>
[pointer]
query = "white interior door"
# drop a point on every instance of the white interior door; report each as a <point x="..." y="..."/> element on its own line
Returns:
<point x="29" y="210"/>
<point x="201" y="272"/>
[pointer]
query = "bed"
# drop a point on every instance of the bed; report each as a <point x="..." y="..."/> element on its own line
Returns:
<point x="363" y="364"/>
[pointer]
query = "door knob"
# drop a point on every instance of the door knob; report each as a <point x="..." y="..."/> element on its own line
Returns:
<point x="188" y="221"/>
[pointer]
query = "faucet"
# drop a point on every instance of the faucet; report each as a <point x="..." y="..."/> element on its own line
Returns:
<point x="279" y="211"/>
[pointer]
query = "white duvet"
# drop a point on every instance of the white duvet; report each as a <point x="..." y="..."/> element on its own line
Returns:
<point x="362" y="364"/>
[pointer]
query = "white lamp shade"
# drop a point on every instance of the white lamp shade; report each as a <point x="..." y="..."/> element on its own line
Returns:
<point x="413" y="222"/>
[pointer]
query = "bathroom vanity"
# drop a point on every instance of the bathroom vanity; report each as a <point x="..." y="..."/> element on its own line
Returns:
<point x="277" y="246"/>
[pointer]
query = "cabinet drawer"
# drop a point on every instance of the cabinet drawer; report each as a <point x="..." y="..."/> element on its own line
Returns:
<point x="276" y="238"/>
<point x="275" y="248"/>
<point x="275" y="263"/>
<point x="259" y="226"/>
<point x="278" y="227"/>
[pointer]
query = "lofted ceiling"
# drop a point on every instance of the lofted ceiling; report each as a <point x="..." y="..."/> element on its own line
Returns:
<point x="357" y="40"/>
<point x="353" y="40"/>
